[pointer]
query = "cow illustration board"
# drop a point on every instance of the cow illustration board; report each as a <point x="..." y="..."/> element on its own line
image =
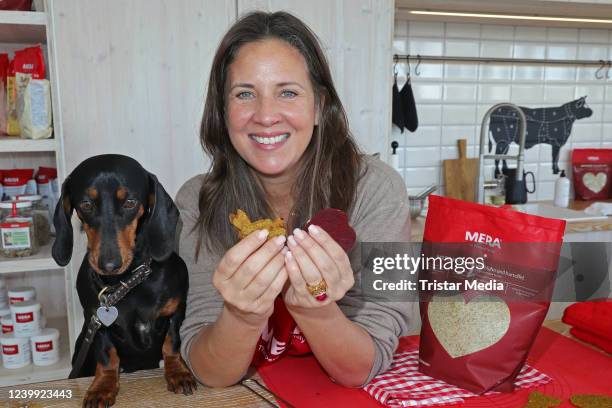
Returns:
<point x="544" y="125"/>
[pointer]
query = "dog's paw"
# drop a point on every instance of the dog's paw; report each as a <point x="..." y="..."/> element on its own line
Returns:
<point x="181" y="381"/>
<point x="100" y="397"/>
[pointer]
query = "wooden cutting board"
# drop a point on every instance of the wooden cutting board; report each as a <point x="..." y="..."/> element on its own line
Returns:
<point x="460" y="175"/>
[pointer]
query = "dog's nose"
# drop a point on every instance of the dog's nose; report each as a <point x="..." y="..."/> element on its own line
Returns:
<point x="111" y="266"/>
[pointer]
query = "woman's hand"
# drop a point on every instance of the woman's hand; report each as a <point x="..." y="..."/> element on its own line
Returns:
<point x="314" y="256"/>
<point x="250" y="276"/>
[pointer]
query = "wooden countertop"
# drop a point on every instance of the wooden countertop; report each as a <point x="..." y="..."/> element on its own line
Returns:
<point x="148" y="389"/>
<point x="418" y="224"/>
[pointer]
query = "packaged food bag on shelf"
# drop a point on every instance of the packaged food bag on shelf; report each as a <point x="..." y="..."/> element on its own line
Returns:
<point x="4" y="64"/>
<point x="12" y="120"/>
<point x="592" y="170"/>
<point x="481" y="314"/>
<point x="33" y="94"/>
<point x="16" y="5"/>
<point x="34" y="108"/>
<point x="15" y="181"/>
<point x="46" y="179"/>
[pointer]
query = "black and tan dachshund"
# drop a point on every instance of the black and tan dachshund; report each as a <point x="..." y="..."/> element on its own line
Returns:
<point x="128" y="218"/>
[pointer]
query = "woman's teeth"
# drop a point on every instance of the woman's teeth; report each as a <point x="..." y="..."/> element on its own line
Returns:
<point x="270" y="140"/>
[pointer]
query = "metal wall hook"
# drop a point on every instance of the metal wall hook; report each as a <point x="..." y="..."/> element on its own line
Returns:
<point x="416" y="70"/>
<point x="408" y="62"/>
<point x="603" y="65"/>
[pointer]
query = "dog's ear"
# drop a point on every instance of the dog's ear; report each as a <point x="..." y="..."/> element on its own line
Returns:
<point x="62" y="246"/>
<point x="161" y="222"/>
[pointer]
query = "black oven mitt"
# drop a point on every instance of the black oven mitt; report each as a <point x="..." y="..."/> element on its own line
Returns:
<point x="411" y="120"/>
<point x="397" y="111"/>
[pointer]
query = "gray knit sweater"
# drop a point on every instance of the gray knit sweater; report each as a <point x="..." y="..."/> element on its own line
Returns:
<point x="380" y="214"/>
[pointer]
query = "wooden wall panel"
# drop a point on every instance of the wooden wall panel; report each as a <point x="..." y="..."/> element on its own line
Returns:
<point x="132" y="77"/>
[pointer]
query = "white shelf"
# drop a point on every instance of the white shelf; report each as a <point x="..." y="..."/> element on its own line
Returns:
<point x="23" y="27"/>
<point x="32" y="373"/>
<point x="39" y="262"/>
<point x="15" y="144"/>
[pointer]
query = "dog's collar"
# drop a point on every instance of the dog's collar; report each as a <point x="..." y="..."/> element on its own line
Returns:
<point x="110" y="295"/>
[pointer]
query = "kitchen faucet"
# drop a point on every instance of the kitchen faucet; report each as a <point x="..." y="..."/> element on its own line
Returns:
<point x="520" y="157"/>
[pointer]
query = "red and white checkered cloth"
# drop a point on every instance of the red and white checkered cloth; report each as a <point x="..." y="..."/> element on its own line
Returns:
<point x="404" y="386"/>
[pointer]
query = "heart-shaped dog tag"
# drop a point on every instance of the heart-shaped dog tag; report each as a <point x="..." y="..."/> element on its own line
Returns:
<point x="107" y="315"/>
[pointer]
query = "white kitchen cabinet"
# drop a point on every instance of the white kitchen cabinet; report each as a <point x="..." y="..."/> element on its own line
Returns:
<point x="53" y="284"/>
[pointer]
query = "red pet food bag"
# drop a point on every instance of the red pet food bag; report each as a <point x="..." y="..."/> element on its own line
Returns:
<point x="479" y="338"/>
<point x="592" y="170"/>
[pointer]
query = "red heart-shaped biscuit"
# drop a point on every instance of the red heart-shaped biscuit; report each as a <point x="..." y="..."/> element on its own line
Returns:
<point x="335" y="223"/>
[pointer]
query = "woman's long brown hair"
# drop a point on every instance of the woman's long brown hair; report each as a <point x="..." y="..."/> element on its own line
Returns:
<point x="327" y="174"/>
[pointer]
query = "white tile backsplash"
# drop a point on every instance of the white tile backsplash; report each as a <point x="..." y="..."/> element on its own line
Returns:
<point x="524" y="72"/>
<point x="494" y="93"/>
<point x="423" y="136"/>
<point x="529" y="50"/>
<point x="422" y="177"/>
<point x="425" y="92"/>
<point x="429" y="114"/>
<point x="560" y="73"/>
<point x="496" y="49"/>
<point x="453" y="97"/>
<point x="451" y="133"/>
<point x="462" y="30"/>
<point x="497" y="32"/>
<point x="558" y="94"/>
<point x="425" y="29"/>
<point x="495" y="72"/>
<point x="462" y="48"/>
<point x="426" y="47"/>
<point x="422" y="156"/>
<point x="594" y="36"/>
<point x="592" y="51"/>
<point x="561" y="51"/>
<point x="594" y="93"/>
<point x="530" y="33"/>
<point x="460" y="93"/>
<point x="527" y="94"/>
<point x="458" y="114"/>
<point x="562" y="34"/>
<point x="428" y="70"/>
<point x="455" y="70"/>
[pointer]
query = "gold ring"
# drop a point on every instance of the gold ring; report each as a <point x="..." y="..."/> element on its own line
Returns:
<point x="318" y="288"/>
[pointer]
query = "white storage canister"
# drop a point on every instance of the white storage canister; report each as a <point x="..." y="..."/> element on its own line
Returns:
<point x="3" y="295"/>
<point x="7" y="324"/>
<point x="21" y="294"/>
<point x="45" y="347"/>
<point x="15" y="351"/>
<point x="26" y="318"/>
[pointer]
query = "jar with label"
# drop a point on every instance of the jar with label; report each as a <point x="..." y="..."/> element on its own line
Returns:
<point x="16" y="351"/>
<point x="21" y="294"/>
<point x="42" y="217"/>
<point x="45" y="347"/>
<point x="26" y="318"/>
<point x="17" y="229"/>
<point x="6" y="323"/>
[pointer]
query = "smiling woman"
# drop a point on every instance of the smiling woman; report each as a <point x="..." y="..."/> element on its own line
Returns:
<point x="270" y="108"/>
<point x="280" y="146"/>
